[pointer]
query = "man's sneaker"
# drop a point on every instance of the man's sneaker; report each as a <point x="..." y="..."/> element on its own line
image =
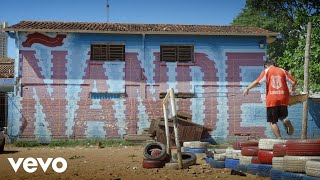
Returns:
<point x="288" y="126"/>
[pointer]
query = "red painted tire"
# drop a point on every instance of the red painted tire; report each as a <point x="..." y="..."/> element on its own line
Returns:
<point x="255" y="160"/>
<point x="308" y="147"/>
<point x="146" y="163"/>
<point x="279" y="150"/>
<point x="250" y="151"/>
<point x="265" y="157"/>
<point x="240" y="144"/>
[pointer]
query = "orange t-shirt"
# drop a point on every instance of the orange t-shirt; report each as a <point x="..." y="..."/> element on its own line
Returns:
<point x="276" y="83"/>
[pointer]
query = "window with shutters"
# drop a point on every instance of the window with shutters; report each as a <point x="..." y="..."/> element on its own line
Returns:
<point x="108" y="52"/>
<point x="177" y="53"/>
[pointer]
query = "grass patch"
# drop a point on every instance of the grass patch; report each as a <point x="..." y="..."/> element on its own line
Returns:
<point x="78" y="142"/>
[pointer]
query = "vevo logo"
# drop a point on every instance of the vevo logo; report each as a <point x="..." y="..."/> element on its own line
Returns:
<point x="30" y="164"/>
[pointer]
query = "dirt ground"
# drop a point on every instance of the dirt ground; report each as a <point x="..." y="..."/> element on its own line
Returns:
<point x="105" y="163"/>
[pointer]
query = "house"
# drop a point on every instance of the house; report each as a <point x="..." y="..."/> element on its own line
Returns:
<point x="6" y="86"/>
<point x="89" y="80"/>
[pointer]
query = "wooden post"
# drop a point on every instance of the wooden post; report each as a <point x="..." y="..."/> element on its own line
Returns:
<point x="166" y="127"/>
<point x="175" y="128"/>
<point x="304" y="132"/>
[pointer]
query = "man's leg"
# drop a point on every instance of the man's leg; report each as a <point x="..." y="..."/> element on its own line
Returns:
<point x="272" y="118"/>
<point x="287" y="125"/>
<point x="283" y="113"/>
<point x="275" y="129"/>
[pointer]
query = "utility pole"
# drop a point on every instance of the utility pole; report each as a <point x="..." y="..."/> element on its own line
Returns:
<point x="107" y="11"/>
<point x="304" y="132"/>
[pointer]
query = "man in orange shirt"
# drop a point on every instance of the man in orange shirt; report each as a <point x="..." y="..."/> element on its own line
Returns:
<point x="277" y="95"/>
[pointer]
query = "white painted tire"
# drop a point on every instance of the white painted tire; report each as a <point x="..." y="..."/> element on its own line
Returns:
<point x="297" y="163"/>
<point x="278" y="163"/>
<point x="219" y="151"/>
<point x="245" y="160"/>
<point x="313" y="168"/>
<point x="267" y="144"/>
<point x="236" y="154"/>
<point x="196" y="144"/>
<point x="229" y="153"/>
<point x="219" y="157"/>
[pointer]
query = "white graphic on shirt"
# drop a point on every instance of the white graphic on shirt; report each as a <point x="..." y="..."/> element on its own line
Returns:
<point x="276" y="82"/>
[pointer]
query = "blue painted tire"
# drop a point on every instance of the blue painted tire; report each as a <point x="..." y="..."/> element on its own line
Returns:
<point x="232" y="163"/>
<point x="275" y="174"/>
<point x="310" y="178"/>
<point x="264" y="170"/>
<point x="291" y="176"/>
<point x="252" y="168"/>
<point x="186" y="149"/>
<point x="196" y="150"/>
<point x="242" y="168"/>
<point x="217" y="164"/>
<point x="209" y="159"/>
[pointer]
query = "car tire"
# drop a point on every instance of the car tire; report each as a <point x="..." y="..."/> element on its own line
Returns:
<point x="252" y="169"/>
<point x="160" y="155"/>
<point x="187" y="158"/>
<point x="275" y="174"/>
<point x="279" y="150"/>
<point x="265" y="157"/>
<point x="264" y="170"/>
<point x="306" y="147"/>
<point x="240" y="144"/>
<point x="148" y="164"/>
<point x="250" y="151"/>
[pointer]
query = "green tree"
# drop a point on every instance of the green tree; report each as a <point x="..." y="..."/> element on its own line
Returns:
<point x="289" y="18"/>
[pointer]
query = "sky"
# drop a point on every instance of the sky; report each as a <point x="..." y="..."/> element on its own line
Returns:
<point x="206" y="12"/>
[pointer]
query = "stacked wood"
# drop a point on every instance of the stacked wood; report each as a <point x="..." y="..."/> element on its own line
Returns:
<point x="188" y="131"/>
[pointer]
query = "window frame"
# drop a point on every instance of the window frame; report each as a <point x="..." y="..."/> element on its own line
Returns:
<point x="177" y="53"/>
<point x="101" y="52"/>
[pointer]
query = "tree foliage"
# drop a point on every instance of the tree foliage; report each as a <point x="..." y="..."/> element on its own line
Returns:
<point x="289" y="18"/>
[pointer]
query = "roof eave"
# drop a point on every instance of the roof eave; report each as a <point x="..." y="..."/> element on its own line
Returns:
<point x="142" y="32"/>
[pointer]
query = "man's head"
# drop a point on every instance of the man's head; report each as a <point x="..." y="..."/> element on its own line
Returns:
<point x="268" y="63"/>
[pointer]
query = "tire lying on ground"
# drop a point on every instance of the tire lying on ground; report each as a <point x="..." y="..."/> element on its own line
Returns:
<point x="264" y="170"/>
<point x="245" y="160"/>
<point x="278" y="163"/>
<point x="217" y="164"/>
<point x="197" y="150"/>
<point x="219" y="157"/>
<point x="252" y="168"/>
<point x="297" y="163"/>
<point x="313" y="168"/>
<point x="255" y="160"/>
<point x="148" y="164"/>
<point x="265" y="157"/>
<point x="155" y="151"/>
<point x="275" y="174"/>
<point x="267" y="144"/>
<point x="289" y="176"/>
<point x="250" y="151"/>
<point x="238" y="145"/>
<point x="187" y="158"/>
<point x="195" y="144"/>
<point x="279" y="150"/>
<point x="306" y="147"/>
<point x="219" y="150"/>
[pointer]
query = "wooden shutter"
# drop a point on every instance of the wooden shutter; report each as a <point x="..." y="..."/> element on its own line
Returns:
<point x="185" y="53"/>
<point x="168" y="53"/>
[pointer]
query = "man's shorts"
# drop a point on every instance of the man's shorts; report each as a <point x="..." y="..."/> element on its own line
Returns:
<point x="276" y="112"/>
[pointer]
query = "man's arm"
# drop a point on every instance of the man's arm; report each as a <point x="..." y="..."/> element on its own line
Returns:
<point x="292" y="81"/>
<point x="252" y="85"/>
